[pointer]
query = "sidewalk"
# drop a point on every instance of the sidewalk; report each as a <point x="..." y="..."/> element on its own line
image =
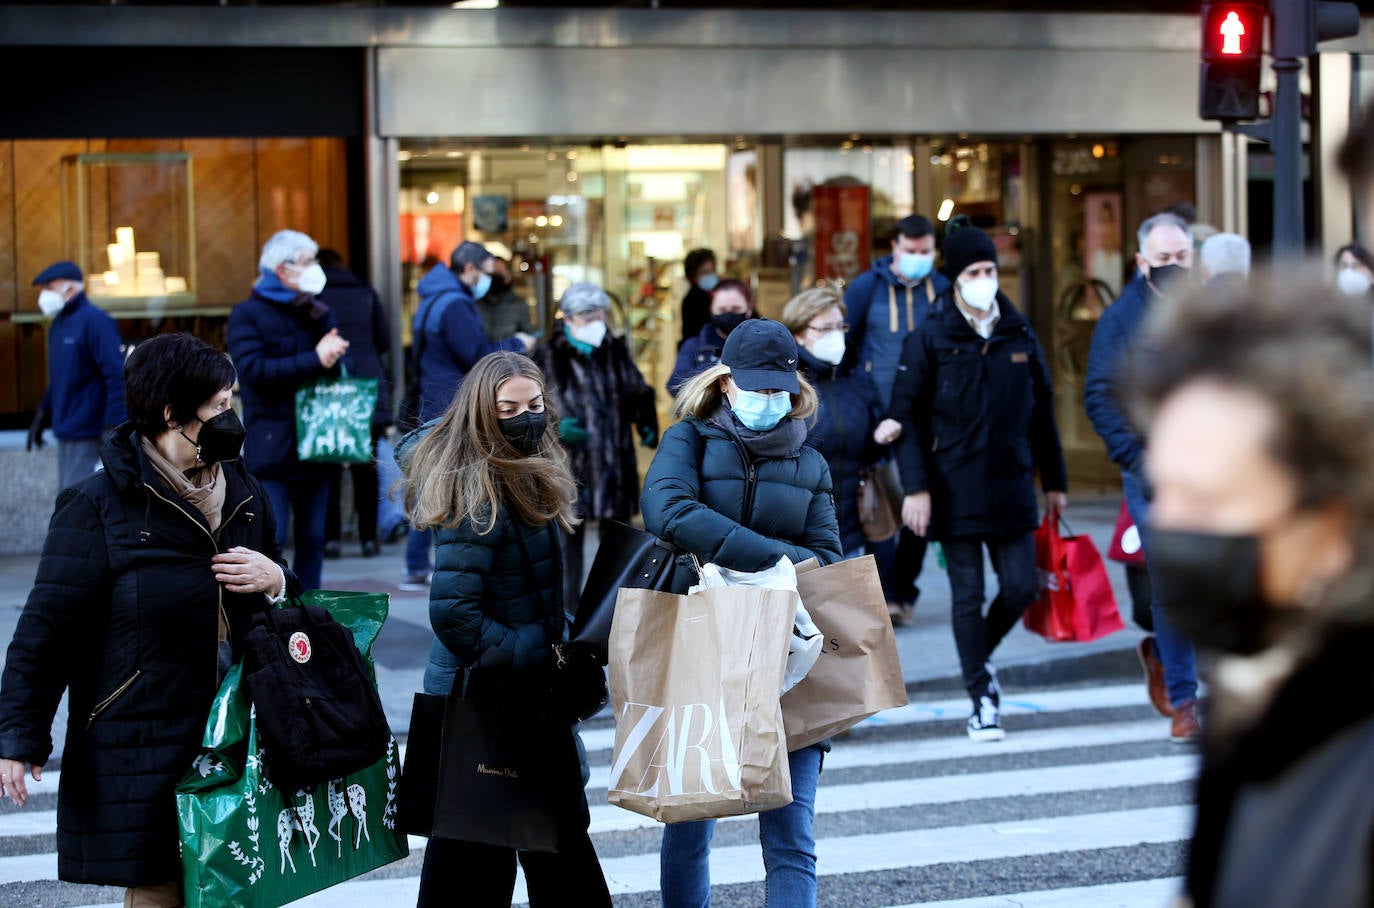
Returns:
<point x="930" y="663"/>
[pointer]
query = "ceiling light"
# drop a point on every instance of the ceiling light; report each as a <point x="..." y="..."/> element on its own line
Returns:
<point x="946" y="209"/>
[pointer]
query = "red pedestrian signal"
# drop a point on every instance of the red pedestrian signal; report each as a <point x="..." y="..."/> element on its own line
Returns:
<point x="1232" y="48"/>
<point x="1232" y="32"/>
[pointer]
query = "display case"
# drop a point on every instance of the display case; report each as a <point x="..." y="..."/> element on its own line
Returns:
<point x="129" y="223"/>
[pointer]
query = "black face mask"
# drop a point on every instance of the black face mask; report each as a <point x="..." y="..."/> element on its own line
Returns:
<point x="221" y="438"/>
<point x="729" y="321"/>
<point x="525" y="431"/>
<point x="1208" y="584"/>
<point x="499" y="286"/>
<point x="1168" y="278"/>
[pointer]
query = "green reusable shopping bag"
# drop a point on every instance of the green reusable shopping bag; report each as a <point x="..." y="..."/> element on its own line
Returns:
<point x="248" y="844"/>
<point x="334" y="419"/>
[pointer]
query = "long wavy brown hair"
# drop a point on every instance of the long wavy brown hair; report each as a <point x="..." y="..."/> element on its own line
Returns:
<point x="466" y="469"/>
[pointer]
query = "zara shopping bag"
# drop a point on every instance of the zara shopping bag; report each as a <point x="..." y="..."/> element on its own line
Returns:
<point x="1076" y="602"/>
<point x="334" y="419"/>
<point x="695" y="686"/>
<point x="859" y="672"/>
<point x="247" y="843"/>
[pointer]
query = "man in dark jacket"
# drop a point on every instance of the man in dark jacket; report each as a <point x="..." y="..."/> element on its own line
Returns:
<point x="504" y="312"/>
<point x="360" y="317"/>
<point x="281" y="337"/>
<point x="885" y="304"/>
<point x="449" y="341"/>
<point x="977" y="411"/>
<point x="85" y="395"/>
<point x="1165" y="257"/>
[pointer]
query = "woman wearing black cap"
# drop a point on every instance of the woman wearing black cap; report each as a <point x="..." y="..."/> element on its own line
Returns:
<point x="974" y="398"/>
<point x="735" y="484"/>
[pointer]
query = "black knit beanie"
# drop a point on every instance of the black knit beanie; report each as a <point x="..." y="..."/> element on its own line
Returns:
<point x="964" y="245"/>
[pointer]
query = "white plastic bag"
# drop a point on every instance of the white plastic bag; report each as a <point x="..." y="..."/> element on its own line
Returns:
<point x="805" y="646"/>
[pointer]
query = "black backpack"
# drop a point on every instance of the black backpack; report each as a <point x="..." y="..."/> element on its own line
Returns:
<point x="319" y="716"/>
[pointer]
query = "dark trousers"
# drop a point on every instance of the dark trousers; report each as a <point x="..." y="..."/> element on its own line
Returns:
<point x="976" y="636"/>
<point x="364" y="478"/>
<point x="483" y="876"/>
<point x="899" y="561"/>
<point x="300" y="504"/>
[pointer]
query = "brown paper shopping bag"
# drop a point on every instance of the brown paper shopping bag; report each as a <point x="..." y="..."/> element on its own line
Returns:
<point x="859" y="672"/>
<point x="695" y="684"/>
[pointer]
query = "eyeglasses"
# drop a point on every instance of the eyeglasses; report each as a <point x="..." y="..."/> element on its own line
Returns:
<point x="842" y="327"/>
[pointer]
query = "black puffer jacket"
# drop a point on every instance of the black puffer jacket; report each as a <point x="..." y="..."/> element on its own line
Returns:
<point x="707" y="494"/>
<point x="843" y="433"/>
<point x="977" y="422"/>
<point x="124" y="616"/>
<point x="605" y="391"/>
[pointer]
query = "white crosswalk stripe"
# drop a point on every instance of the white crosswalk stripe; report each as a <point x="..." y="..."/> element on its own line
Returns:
<point x="899" y="795"/>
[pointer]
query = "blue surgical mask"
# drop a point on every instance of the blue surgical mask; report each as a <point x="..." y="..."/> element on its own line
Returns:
<point x="914" y="266"/>
<point x="759" y="411"/>
<point x="708" y="281"/>
<point x="482" y="286"/>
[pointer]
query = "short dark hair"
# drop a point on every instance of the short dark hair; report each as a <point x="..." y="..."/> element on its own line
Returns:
<point x="469" y="253"/>
<point x="695" y="259"/>
<point x="1187" y="211"/>
<point x="1361" y="255"/>
<point x="177" y="370"/>
<point x="329" y="258"/>
<point x="739" y="287"/>
<point x="913" y="227"/>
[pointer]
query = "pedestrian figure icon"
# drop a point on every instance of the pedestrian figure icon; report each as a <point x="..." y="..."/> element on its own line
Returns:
<point x="1231" y="31"/>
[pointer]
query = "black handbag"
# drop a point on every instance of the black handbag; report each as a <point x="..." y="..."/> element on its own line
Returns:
<point x="318" y="713"/>
<point x="626" y="557"/>
<point x="477" y="770"/>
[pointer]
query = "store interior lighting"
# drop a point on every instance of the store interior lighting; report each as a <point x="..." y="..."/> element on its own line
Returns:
<point x="946" y="209"/>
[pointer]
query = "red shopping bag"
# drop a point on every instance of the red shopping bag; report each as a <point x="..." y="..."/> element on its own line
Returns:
<point x="1126" y="546"/>
<point x="1076" y="602"/>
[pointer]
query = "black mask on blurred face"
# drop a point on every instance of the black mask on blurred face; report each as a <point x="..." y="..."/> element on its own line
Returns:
<point x="729" y="321"/>
<point x="525" y="431"/>
<point x="1167" y="278"/>
<point x="221" y="438"/>
<point x="499" y="286"/>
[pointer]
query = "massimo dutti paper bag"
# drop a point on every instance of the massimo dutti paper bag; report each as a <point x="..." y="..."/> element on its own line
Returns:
<point x="695" y="684"/>
<point x="859" y="672"/>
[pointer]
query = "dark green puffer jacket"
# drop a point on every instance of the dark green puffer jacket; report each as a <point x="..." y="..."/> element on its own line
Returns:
<point x="705" y="493"/>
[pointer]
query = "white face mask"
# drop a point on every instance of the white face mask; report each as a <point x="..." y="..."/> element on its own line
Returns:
<point x="830" y="348"/>
<point x="979" y="293"/>
<point x="591" y="334"/>
<point x="1351" y="281"/>
<point x="311" y="280"/>
<point x="51" y="302"/>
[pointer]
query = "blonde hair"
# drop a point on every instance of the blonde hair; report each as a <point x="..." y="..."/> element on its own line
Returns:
<point x="466" y="469"/>
<point x="808" y="304"/>
<point x="701" y="396"/>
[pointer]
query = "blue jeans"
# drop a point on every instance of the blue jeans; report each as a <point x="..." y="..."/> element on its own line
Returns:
<point x="301" y="503"/>
<point x="789" y="849"/>
<point x="390" y="514"/>
<point x="1175" y="650"/>
<point x="76" y="459"/>
<point x="419" y="547"/>
<point x="1013" y="560"/>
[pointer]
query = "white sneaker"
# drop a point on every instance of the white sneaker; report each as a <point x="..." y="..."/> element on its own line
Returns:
<point x="985" y="723"/>
<point x="413" y="583"/>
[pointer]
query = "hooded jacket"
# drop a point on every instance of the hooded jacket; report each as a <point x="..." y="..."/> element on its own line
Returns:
<point x="124" y="617"/>
<point x="882" y="311"/>
<point x="697" y="354"/>
<point x="977" y="422"/>
<point x="85" y="393"/>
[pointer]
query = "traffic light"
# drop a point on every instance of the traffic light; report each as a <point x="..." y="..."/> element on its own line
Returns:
<point x="1232" y="47"/>
<point x="1299" y="25"/>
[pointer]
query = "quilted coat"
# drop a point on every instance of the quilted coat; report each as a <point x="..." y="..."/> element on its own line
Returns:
<point x="124" y="617"/>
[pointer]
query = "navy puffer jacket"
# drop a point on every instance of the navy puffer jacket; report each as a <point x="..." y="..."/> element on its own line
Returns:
<point x="706" y="494"/>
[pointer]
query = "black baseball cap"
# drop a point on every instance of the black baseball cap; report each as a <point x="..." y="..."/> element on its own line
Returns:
<point x="762" y="355"/>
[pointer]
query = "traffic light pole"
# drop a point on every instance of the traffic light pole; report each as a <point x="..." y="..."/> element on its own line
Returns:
<point x="1286" y="142"/>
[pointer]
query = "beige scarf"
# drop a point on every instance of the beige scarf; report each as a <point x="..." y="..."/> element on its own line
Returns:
<point x="208" y="498"/>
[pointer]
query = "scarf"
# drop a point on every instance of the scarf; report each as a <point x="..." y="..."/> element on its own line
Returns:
<point x="208" y="499"/>
<point x="269" y="286"/>
<point x="783" y="440"/>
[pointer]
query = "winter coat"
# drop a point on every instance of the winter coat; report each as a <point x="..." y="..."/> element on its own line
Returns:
<point x="273" y="348"/>
<point x="843" y="433"/>
<point x="696" y="313"/>
<point x="453" y="339"/>
<point x="1285" y="806"/>
<point x="1114" y="342"/>
<point x="124" y="616"/>
<point x="505" y="315"/>
<point x="708" y="495"/>
<point x="869" y="303"/>
<point x="697" y="354"/>
<point x="85" y="394"/>
<point x="977" y="421"/>
<point x="361" y="319"/>
<point x="604" y="390"/>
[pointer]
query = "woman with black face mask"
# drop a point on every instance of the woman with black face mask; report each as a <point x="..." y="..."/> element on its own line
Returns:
<point x="149" y="575"/>
<point x="492" y="480"/>
<point x="1260" y="407"/>
<point x="731" y="306"/>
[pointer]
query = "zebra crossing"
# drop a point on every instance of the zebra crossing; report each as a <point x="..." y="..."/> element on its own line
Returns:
<point x="1086" y="803"/>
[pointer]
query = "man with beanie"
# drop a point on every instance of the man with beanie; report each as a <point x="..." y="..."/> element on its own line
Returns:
<point x="974" y="398"/>
<point x="593" y="380"/>
<point x="885" y="304"/>
<point x="85" y="394"/>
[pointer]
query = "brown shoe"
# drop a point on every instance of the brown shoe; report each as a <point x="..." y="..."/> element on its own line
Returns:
<point x="1185" y="729"/>
<point x="1154" y="676"/>
<point x="901" y="615"/>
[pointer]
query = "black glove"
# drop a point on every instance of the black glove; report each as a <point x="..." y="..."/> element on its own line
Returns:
<point x="35" y="439"/>
<point x="578" y="690"/>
